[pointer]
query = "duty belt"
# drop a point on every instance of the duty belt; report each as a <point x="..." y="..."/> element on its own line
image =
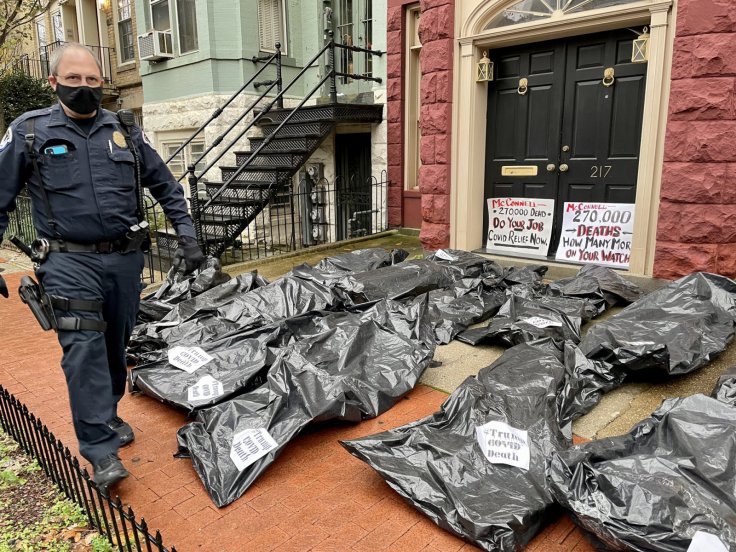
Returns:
<point x="63" y="246"/>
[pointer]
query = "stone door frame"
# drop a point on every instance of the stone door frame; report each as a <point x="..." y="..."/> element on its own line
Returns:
<point x="469" y="109"/>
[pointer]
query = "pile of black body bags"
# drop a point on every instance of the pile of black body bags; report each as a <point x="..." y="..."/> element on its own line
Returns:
<point x="256" y="362"/>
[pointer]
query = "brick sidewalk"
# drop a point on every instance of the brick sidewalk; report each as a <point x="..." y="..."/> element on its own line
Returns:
<point x="316" y="496"/>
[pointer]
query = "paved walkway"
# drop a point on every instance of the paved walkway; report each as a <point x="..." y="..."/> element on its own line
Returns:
<point x="314" y="497"/>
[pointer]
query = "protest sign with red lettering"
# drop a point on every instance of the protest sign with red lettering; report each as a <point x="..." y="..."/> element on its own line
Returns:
<point x="520" y="225"/>
<point x="597" y="233"/>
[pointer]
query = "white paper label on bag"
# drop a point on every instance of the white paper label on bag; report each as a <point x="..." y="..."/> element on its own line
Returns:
<point x="444" y="255"/>
<point x="705" y="542"/>
<point x="540" y="322"/>
<point x="250" y="445"/>
<point x="205" y="389"/>
<point x="188" y="359"/>
<point x="503" y="444"/>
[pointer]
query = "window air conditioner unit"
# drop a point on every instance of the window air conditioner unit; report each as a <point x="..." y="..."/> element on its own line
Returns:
<point x="155" y="45"/>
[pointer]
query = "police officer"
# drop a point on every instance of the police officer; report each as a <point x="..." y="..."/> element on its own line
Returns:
<point x="79" y="165"/>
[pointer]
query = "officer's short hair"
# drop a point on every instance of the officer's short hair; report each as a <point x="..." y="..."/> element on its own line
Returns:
<point x="59" y="51"/>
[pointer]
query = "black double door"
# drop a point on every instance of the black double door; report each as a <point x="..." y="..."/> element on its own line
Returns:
<point x="564" y="122"/>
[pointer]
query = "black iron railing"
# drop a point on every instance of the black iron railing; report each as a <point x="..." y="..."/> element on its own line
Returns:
<point x="39" y="67"/>
<point x="299" y="216"/>
<point x="275" y="58"/>
<point x="109" y="517"/>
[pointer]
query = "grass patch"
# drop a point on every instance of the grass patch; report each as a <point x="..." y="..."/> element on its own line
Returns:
<point x="34" y="515"/>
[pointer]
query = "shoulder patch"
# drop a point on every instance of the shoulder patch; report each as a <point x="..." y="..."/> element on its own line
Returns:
<point x="7" y="139"/>
<point x="146" y="140"/>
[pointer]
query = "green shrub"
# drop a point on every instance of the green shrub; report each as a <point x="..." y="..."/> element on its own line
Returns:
<point x="20" y="93"/>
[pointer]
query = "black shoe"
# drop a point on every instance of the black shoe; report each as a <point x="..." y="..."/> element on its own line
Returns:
<point x="109" y="471"/>
<point x="124" y="431"/>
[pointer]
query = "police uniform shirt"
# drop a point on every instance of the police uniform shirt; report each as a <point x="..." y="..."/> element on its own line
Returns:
<point x="89" y="178"/>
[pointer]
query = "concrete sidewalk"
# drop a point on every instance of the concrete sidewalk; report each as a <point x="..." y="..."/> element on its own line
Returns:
<point x="315" y="496"/>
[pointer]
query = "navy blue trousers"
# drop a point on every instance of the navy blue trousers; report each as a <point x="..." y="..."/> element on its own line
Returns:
<point x="94" y="362"/>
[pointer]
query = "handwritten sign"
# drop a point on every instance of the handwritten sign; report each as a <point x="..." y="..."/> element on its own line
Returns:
<point x="188" y="359"/>
<point x="519" y="225"/>
<point x="503" y="444"/>
<point x="598" y="233"/>
<point x="250" y="445"/>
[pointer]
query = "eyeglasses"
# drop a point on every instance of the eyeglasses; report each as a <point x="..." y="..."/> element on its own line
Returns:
<point x="78" y="80"/>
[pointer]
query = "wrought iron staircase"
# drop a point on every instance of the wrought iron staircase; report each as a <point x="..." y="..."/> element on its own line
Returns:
<point x="222" y="210"/>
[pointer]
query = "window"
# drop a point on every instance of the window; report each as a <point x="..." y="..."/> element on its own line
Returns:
<point x="58" y="27"/>
<point x="43" y="47"/>
<point x="354" y="28"/>
<point x="271" y="25"/>
<point x="345" y="35"/>
<point x="178" y="165"/>
<point x="535" y="10"/>
<point x="186" y="19"/>
<point x="412" y="133"/>
<point x="41" y="32"/>
<point x="368" y="38"/>
<point x="160" y="15"/>
<point x="125" y="31"/>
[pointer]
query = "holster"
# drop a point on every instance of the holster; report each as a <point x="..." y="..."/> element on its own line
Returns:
<point x="42" y="306"/>
<point x="30" y="293"/>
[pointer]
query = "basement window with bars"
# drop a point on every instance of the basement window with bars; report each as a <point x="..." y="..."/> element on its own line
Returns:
<point x="125" y="31"/>
<point x="178" y="165"/>
<point x="271" y="25"/>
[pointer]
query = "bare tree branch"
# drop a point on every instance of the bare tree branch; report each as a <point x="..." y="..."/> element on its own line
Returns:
<point x="17" y="13"/>
<point x="14" y="16"/>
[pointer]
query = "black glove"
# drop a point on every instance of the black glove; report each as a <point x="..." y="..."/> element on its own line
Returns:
<point x="188" y="256"/>
<point x="3" y="287"/>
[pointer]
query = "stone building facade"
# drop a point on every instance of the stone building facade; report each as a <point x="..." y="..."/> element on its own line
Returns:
<point x="686" y="200"/>
<point x="697" y="214"/>
<point x="436" y="32"/>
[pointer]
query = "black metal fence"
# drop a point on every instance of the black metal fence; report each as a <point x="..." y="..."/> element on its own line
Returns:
<point x="109" y="517"/>
<point x="302" y="215"/>
<point x="21" y="221"/>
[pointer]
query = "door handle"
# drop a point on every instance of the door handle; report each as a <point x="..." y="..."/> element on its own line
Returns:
<point x="551" y="167"/>
<point x="523" y="87"/>
<point x="608" y="77"/>
<point x="564" y="167"/>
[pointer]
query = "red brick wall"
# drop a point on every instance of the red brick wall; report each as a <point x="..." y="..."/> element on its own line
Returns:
<point x="436" y="31"/>
<point x="697" y="216"/>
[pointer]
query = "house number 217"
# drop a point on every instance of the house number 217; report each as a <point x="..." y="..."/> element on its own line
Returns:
<point x="600" y="171"/>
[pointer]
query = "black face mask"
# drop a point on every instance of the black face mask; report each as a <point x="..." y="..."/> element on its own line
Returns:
<point x="80" y="99"/>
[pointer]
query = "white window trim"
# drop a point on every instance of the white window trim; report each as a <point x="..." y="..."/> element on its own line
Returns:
<point x="152" y="3"/>
<point x="115" y="20"/>
<point x="61" y="21"/>
<point x="178" y="34"/>
<point x="177" y="138"/>
<point x="284" y="28"/>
